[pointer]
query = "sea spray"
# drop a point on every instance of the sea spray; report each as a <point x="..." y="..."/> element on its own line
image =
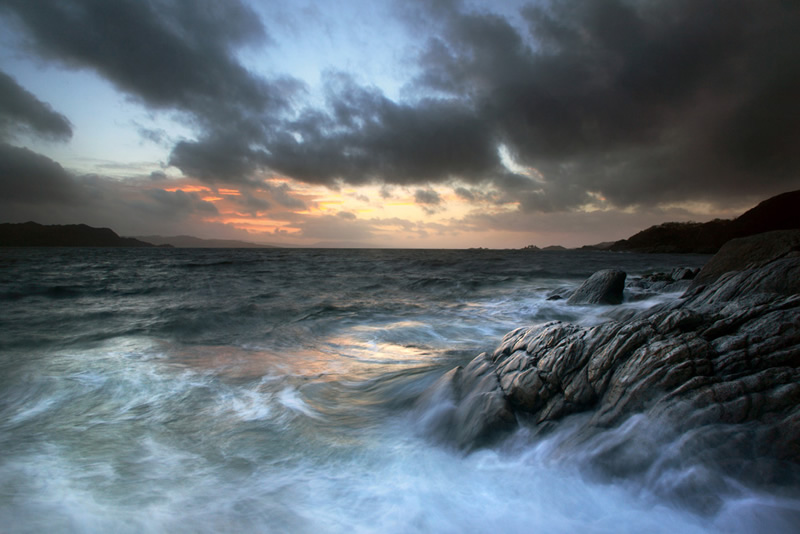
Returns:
<point x="279" y="391"/>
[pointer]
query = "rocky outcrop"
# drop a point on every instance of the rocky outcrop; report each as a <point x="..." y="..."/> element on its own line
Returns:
<point x="718" y="371"/>
<point x="748" y="252"/>
<point x="603" y="287"/>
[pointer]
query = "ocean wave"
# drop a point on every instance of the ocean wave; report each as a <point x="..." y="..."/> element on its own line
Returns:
<point x="281" y="391"/>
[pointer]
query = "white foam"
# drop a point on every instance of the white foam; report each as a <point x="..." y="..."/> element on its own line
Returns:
<point x="388" y="481"/>
<point x="290" y="398"/>
<point x="247" y="404"/>
<point x="37" y="408"/>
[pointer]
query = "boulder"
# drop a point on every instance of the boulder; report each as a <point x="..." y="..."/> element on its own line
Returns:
<point x="603" y="287"/>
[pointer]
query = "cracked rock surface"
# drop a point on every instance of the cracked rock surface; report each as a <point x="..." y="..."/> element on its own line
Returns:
<point x="716" y="372"/>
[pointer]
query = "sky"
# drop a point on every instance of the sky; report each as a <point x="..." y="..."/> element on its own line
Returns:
<point x="414" y="124"/>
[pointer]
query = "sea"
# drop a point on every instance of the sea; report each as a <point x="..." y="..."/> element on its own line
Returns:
<point x="278" y="390"/>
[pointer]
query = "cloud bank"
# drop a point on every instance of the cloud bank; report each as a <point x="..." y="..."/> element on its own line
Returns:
<point x="610" y="103"/>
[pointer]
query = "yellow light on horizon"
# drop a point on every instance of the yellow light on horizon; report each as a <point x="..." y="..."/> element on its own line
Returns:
<point x="251" y="221"/>
<point x="188" y="189"/>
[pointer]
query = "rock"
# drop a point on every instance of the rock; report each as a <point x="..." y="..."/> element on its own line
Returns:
<point x="560" y="293"/>
<point x="466" y="407"/>
<point x="676" y="282"/>
<point x="748" y="252"/>
<point x="683" y="273"/>
<point x="716" y="374"/>
<point x="603" y="287"/>
<point x="749" y="287"/>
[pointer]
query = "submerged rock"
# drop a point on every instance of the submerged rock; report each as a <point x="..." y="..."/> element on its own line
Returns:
<point x="603" y="287"/>
<point x="718" y="370"/>
<point x="677" y="281"/>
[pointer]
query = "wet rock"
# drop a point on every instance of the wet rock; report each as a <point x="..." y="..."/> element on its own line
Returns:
<point x="683" y="273"/>
<point x="560" y="293"/>
<point x="749" y="288"/>
<point x="466" y="406"/>
<point x="748" y="253"/>
<point x="720" y="368"/>
<point x="603" y="287"/>
<point x="677" y="281"/>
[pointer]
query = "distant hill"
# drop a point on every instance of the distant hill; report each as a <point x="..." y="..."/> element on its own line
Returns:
<point x="186" y="241"/>
<point x="31" y="234"/>
<point x="781" y="212"/>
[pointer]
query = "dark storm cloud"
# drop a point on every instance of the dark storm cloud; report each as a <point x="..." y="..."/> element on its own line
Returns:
<point x="613" y="102"/>
<point x="624" y="102"/>
<point x="30" y="178"/>
<point x="639" y="102"/>
<point x="174" y="204"/>
<point x="427" y="196"/>
<point x="225" y="158"/>
<point x="251" y="203"/>
<point x="20" y="111"/>
<point x="364" y="137"/>
<point x="171" y="54"/>
<point x="281" y="195"/>
<point x="464" y="193"/>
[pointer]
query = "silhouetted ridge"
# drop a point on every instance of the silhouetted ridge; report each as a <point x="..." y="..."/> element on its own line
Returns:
<point x="777" y="213"/>
<point x="781" y="212"/>
<point x="31" y="234"/>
